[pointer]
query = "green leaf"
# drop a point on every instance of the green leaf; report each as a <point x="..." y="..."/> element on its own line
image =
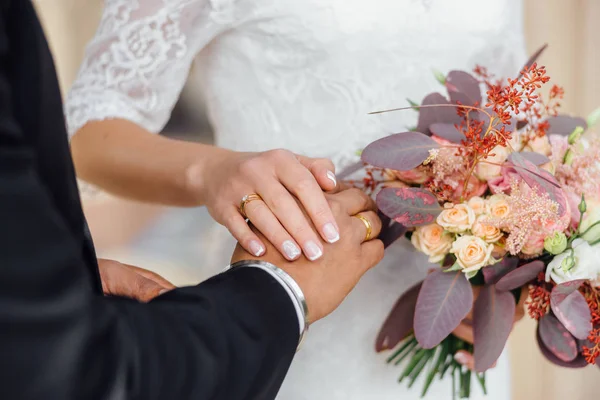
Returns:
<point x="412" y="364"/>
<point x="455" y="267"/>
<point x="415" y="106"/>
<point x="441" y="78"/>
<point x="406" y="345"/>
<point x="471" y="274"/>
<point x="417" y="371"/>
<point x="481" y="380"/>
<point x="593" y="118"/>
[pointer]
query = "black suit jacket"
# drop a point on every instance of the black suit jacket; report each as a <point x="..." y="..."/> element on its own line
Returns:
<point x="232" y="337"/>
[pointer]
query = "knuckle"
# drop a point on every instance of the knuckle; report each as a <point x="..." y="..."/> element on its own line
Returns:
<point x="304" y="184"/>
<point x="278" y="154"/>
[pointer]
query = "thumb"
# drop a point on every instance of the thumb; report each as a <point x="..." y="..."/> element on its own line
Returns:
<point x="322" y="169"/>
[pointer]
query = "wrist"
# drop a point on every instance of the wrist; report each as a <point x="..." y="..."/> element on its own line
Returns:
<point x="196" y="181"/>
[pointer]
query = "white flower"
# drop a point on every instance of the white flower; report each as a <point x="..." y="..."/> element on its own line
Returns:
<point x="456" y="218"/>
<point x="590" y="217"/>
<point x="432" y="240"/>
<point x="585" y="266"/>
<point x="472" y="253"/>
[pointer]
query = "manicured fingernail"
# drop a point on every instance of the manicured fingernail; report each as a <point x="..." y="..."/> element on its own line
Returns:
<point x="331" y="233"/>
<point x="331" y="177"/>
<point x="312" y="250"/>
<point x="461" y="358"/>
<point x="291" y="250"/>
<point x="256" y="248"/>
<point x="163" y="291"/>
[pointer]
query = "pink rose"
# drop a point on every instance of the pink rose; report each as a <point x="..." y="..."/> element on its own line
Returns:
<point x="418" y="175"/>
<point x="442" y="141"/>
<point x="573" y="201"/>
<point x="534" y="245"/>
<point x="559" y="145"/>
<point x="501" y="184"/>
<point x="475" y="187"/>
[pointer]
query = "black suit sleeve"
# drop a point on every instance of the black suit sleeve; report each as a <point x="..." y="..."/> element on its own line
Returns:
<point x="232" y="337"/>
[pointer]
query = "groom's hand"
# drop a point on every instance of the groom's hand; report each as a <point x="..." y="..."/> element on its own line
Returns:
<point x="328" y="280"/>
<point x="125" y="280"/>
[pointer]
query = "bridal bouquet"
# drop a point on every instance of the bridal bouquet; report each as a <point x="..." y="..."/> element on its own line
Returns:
<point x="503" y="193"/>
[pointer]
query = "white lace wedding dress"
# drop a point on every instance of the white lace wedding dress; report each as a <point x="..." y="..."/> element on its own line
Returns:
<point x="301" y="75"/>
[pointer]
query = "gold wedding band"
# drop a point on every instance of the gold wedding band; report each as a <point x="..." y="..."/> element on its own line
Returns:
<point x="247" y="199"/>
<point x="367" y="225"/>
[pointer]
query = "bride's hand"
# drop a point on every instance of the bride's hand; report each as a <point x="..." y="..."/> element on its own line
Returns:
<point x="277" y="176"/>
<point x="465" y="329"/>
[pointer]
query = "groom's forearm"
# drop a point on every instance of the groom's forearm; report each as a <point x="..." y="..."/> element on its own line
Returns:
<point x="125" y="159"/>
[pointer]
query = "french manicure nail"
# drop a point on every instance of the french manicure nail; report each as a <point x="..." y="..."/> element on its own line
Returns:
<point x="331" y="233"/>
<point x="331" y="177"/>
<point x="312" y="250"/>
<point x="256" y="248"/>
<point x="290" y="249"/>
<point x="163" y="291"/>
<point x="461" y="358"/>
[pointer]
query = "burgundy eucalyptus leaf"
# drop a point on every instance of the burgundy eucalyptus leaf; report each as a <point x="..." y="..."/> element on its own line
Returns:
<point x="445" y="299"/>
<point x="431" y="115"/>
<point x="533" y="58"/>
<point x="463" y="88"/>
<point x="493" y="316"/>
<point x="521" y="124"/>
<point x="539" y="179"/>
<point x="447" y="131"/>
<point x="520" y="276"/>
<point x="535" y="158"/>
<point x="399" y="322"/>
<point x="349" y="170"/>
<point x="408" y="206"/>
<point x="391" y="233"/>
<point x="578" y="362"/>
<point x="493" y="273"/>
<point x="557" y="338"/>
<point x="401" y="151"/>
<point x="571" y="309"/>
<point x="564" y="124"/>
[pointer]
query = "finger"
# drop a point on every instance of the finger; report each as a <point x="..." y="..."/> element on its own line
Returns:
<point x="465" y="358"/>
<point x="263" y="219"/>
<point x="127" y="283"/>
<point x="359" y="227"/>
<point x="303" y="185"/>
<point x="153" y="276"/>
<point x="353" y="201"/>
<point x="239" y="229"/>
<point x="464" y="332"/>
<point x="322" y="169"/>
<point x="371" y="253"/>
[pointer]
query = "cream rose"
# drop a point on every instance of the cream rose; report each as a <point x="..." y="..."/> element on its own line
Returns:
<point x="477" y="204"/>
<point x="472" y="253"/>
<point x="456" y="218"/>
<point x="491" y="166"/>
<point x="487" y="232"/>
<point x="539" y="145"/>
<point x="497" y="206"/>
<point x="432" y="240"/>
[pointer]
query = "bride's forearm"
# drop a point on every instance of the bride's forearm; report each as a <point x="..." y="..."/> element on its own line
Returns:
<point x="124" y="159"/>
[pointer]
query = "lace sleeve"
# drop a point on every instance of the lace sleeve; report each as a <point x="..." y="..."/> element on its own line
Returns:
<point x="137" y="64"/>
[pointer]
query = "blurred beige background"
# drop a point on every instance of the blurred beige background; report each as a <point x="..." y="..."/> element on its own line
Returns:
<point x="573" y="61"/>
